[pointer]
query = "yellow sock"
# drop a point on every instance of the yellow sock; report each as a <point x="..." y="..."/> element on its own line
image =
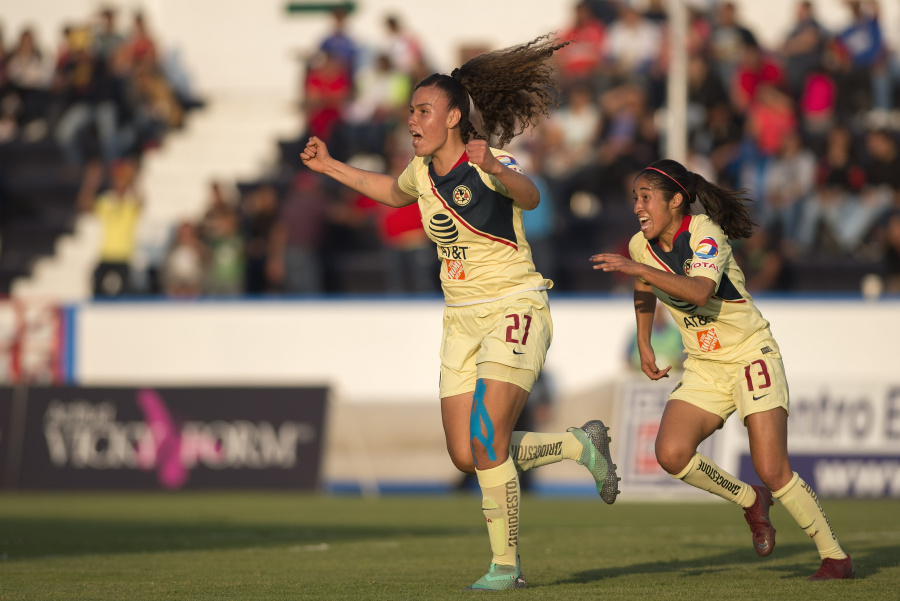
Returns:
<point x="702" y="473"/>
<point x="534" y="449"/>
<point x="500" y="504"/>
<point x="802" y="503"/>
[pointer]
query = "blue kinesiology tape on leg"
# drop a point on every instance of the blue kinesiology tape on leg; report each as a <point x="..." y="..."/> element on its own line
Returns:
<point x="481" y="418"/>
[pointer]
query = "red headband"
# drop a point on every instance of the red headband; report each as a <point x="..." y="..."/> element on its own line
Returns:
<point x="671" y="178"/>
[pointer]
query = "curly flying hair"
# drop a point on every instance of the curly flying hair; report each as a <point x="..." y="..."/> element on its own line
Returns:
<point x="510" y="88"/>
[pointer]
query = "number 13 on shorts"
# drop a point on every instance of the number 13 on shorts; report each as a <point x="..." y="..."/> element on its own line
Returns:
<point x="762" y="385"/>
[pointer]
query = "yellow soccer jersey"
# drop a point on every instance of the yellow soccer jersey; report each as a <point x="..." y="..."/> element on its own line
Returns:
<point x="477" y="228"/>
<point x="729" y="328"/>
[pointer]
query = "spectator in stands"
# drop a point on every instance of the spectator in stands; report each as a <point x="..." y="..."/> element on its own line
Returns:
<point x="861" y="44"/>
<point x="729" y="38"/>
<point x="225" y="252"/>
<point x="407" y="254"/>
<point x="632" y="46"/>
<point x="30" y="74"/>
<point x="328" y="88"/>
<point x="629" y="138"/>
<point x="403" y="49"/>
<point x="883" y="165"/>
<point x="140" y="46"/>
<point x="839" y="181"/>
<point x="755" y="68"/>
<point x="761" y="260"/>
<point x="107" y="39"/>
<point x="184" y="267"/>
<point x="769" y="119"/>
<point x="788" y="182"/>
<point x="582" y="59"/>
<point x="8" y="126"/>
<point x="297" y="236"/>
<point x="818" y="107"/>
<point x="878" y="195"/>
<point x="219" y="228"/>
<point x="704" y="89"/>
<point x="804" y="47"/>
<point x="891" y="241"/>
<point x="380" y="103"/>
<point x="260" y="264"/>
<point x="217" y="203"/>
<point x="571" y="135"/>
<point x="340" y="46"/>
<point x="118" y="211"/>
<point x="92" y="98"/>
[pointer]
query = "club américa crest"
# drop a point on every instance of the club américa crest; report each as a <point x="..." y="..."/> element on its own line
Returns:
<point x="462" y="195"/>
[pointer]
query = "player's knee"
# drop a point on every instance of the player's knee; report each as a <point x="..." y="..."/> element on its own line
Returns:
<point x="774" y="474"/>
<point x="672" y="458"/>
<point x="463" y="461"/>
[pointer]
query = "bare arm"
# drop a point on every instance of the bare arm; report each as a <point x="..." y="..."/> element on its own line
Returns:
<point x="697" y="290"/>
<point x="644" y="311"/>
<point x="520" y="187"/>
<point x="377" y="186"/>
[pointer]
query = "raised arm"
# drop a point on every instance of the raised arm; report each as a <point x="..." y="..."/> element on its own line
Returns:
<point x="377" y="186"/>
<point x="695" y="290"/>
<point x="520" y="187"/>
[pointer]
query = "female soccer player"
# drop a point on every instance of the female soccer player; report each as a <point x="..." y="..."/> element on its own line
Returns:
<point x="497" y="326"/>
<point x="733" y="362"/>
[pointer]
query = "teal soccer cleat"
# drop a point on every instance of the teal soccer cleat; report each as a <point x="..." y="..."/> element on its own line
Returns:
<point x="595" y="456"/>
<point x="500" y="578"/>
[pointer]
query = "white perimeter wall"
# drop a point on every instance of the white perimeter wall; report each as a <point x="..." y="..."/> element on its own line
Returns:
<point x="375" y="351"/>
<point x="239" y="46"/>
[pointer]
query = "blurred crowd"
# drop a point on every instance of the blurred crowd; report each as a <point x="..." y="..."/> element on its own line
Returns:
<point x="101" y="92"/>
<point x="809" y="126"/>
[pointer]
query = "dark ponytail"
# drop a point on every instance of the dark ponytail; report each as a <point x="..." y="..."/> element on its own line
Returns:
<point x="726" y="208"/>
<point x="510" y="88"/>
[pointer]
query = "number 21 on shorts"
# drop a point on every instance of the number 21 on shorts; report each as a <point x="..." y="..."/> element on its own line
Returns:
<point x="512" y="331"/>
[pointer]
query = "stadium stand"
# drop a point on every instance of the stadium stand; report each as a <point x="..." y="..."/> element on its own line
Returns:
<point x="745" y="101"/>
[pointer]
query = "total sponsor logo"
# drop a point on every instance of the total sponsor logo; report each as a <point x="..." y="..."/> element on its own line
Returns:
<point x="707" y="249"/>
<point x="509" y="162"/>
<point x="692" y="264"/>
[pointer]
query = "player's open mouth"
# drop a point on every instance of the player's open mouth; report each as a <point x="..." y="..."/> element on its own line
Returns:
<point x="416" y="138"/>
<point x="645" y="223"/>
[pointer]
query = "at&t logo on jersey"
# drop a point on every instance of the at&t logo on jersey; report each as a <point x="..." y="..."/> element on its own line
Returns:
<point x="462" y="195"/>
<point x="443" y="229"/>
<point x="707" y="249"/>
<point x="509" y="162"/>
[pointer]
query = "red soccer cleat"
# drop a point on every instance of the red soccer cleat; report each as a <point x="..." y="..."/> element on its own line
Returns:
<point x="757" y="515"/>
<point x="835" y="569"/>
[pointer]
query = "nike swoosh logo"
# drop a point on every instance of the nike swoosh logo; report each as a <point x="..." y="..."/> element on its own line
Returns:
<point x="515" y="352"/>
<point x="756" y="398"/>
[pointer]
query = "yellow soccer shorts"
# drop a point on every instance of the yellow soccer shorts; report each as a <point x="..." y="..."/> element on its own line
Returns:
<point x="504" y="340"/>
<point x="748" y="387"/>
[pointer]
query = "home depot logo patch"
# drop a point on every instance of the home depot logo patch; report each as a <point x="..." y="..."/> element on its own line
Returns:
<point x="709" y="340"/>
<point x="455" y="270"/>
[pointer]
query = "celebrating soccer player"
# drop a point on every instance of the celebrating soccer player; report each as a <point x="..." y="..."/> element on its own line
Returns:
<point x="733" y="362"/>
<point x="497" y="326"/>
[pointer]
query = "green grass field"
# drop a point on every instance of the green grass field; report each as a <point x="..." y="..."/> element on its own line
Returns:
<point x="276" y="546"/>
